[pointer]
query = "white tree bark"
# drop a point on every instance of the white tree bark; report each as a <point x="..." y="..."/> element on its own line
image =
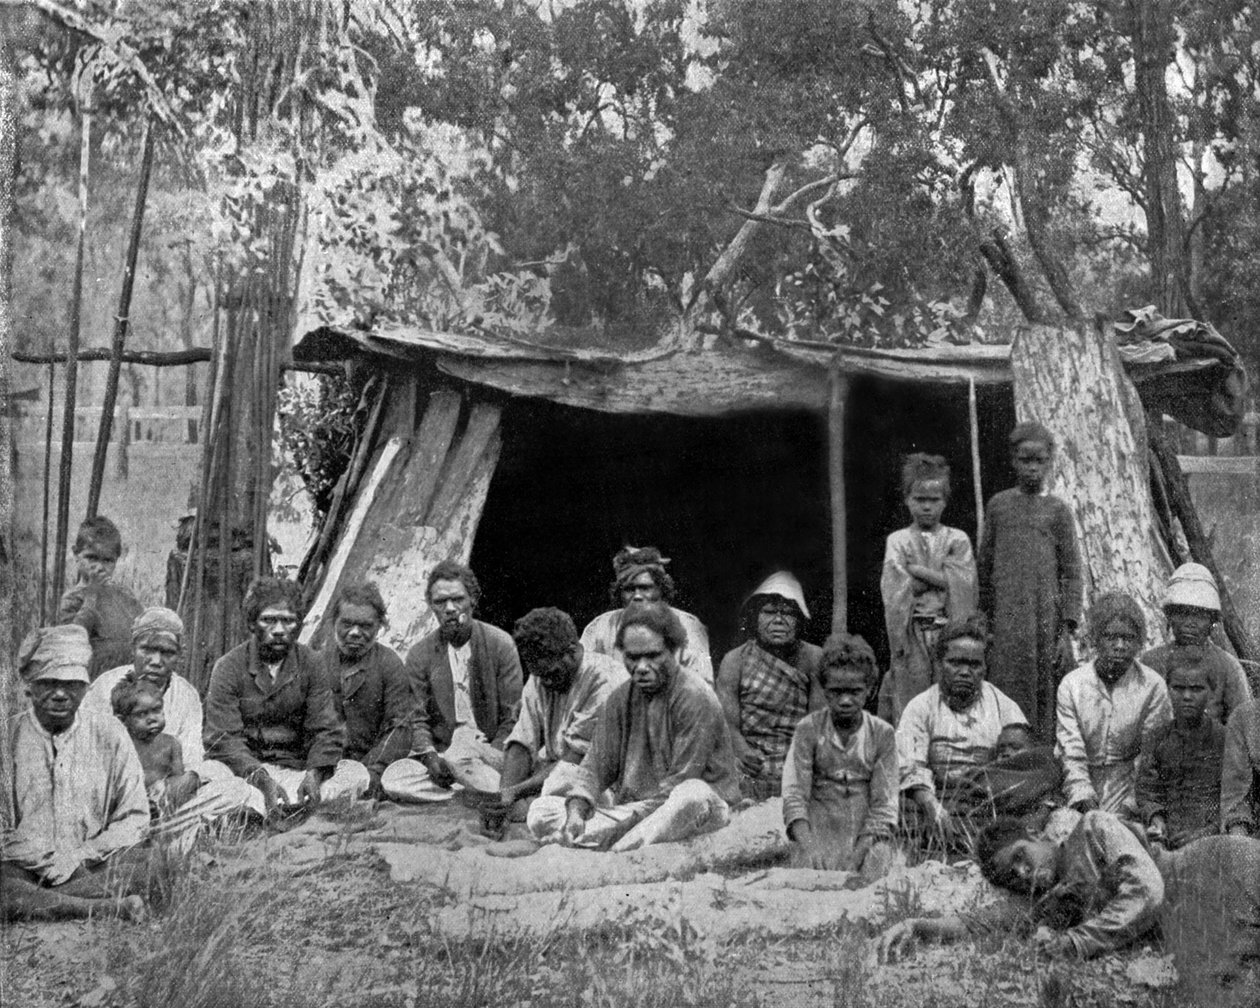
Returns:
<point x="1070" y="380"/>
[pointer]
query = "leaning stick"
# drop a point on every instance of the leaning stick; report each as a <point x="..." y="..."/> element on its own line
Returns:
<point x="973" y="417"/>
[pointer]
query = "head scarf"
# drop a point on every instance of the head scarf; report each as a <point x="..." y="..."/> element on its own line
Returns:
<point x="160" y="621"/>
<point x="631" y="561"/>
<point x="56" y="652"/>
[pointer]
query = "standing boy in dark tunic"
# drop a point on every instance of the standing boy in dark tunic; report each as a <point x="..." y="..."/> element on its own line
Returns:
<point x="1030" y="582"/>
<point x="105" y="610"/>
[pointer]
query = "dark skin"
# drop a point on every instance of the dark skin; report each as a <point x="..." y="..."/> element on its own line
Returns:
<point x="160" y="755"/>
<point x="520" y="777"/>
<point x="778" y="632"/>
<point x="452" y="603"/>
<point x="963" y="668"/>
<point x="847" y="690"/>
<point x="652" y="665"/>
<point x="1189" y="690"/>
<point x="1118" y="643"/>
<point x="275" y="632"/>
<point x="926" y="503"/>
<point x="1190" y="625"/>
<point x="55" y="702"/>
<point x="1031" y="461"/>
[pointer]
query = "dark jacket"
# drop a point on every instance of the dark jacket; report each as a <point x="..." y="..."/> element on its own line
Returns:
<point x="373" y="698"/>
<point x="290" y="722"/>
<point x="494" y="686"/>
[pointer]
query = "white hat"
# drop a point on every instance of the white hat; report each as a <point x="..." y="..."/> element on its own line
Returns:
<point x="784" y="585"/>
<point x="1192" y="584"/>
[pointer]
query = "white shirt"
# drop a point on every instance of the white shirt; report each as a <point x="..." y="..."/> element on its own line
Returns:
<point x="459" y="658"/>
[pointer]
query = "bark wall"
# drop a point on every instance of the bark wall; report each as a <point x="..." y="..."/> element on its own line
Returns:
<point x="1070" y="380"/>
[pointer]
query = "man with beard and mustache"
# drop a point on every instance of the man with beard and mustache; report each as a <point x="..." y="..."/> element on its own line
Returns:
<point x="465" y="681"/>
<point x="269" y="713"/>
<point x="770" y="682"/>
<point x="369" y="686"/>
<point x="1108" y="709"/>
<point x="950" y="729"/>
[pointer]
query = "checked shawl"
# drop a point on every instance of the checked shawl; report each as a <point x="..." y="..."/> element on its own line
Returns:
<point x="773" y="697"/>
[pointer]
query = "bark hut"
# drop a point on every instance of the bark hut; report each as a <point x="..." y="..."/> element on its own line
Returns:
<point x="1070" y="380"/>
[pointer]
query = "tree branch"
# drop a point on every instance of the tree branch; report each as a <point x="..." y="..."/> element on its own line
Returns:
<point x="158" y="358"/>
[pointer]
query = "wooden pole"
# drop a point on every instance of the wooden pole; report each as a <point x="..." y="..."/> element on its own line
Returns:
<point x="43" y="539"/>
<point x="973" y="417"/>
<point x="66" y="462"/>
<point x="839" y="523"/>
<point x="120" y="326"/>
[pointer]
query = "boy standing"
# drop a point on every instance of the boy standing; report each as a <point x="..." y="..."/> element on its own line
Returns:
<point x="840" y="780"/>
<point x="929" y="578"/>
<point x="103" y="609"/>
<point x="1178" y="791"/>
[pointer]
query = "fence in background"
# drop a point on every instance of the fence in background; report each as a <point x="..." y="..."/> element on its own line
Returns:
<point x="133" y="424"/>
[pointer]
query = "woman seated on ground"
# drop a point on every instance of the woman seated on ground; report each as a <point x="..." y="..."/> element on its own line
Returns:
<point x="1099" y="888"/>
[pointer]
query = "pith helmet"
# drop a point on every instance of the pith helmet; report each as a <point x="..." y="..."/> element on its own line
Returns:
<point x="1192" y="584"/>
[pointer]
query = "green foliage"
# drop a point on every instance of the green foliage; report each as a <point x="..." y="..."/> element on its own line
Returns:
<point x="318" y="426"/>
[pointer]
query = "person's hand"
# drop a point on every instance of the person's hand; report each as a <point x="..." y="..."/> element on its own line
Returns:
<point x="274" y="796"/>
<point x="438" y="769"/>
<point x="1085" y="805"/>
<point x="64" y="864"/>
<point x="308" y="790"/>
<point x="1051" y="943"/>
<point x="751" y="762"/>
<point x="574" y="826"/>
<point x="898" y="941"/>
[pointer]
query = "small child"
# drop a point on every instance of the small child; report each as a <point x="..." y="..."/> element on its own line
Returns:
<point x="1030" y="582"/>
<point x="138" y="705"/>
<point x="1179" y="788"/>
<point x="1109" y="710"/>
<point x="1011" y="741"/>
<point x="105" y="610"/>
<point x="929" y="578"/>
<point x="840" y="779"/>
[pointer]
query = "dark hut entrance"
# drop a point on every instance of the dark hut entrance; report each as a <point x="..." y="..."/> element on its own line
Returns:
<point x="728" y="499"/>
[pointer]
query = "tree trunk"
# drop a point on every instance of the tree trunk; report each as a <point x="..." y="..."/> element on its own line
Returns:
<point x="1152" y="34"/>
<point x="1070" y="380"/>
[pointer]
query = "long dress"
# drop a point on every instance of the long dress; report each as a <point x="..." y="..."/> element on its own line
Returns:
<point x="1030" y="584"/>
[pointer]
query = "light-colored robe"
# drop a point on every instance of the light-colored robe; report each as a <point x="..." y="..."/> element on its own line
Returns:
<point x="551" y="722"/>
<point x="1101" y="732"/>
<point x="81" y="791"/>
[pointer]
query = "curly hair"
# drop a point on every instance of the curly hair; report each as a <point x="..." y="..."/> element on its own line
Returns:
<point x="453" y="570"/>
<point x="101" y="533"/>
<point x="993" y="839"/>
<point x="543" y="636"/>
<point x="1115" y="606"/>
<point x="974" y="627"/>
<point x="921" y="468"/>
<point x="657" y="617"/>
<point x="660" y="577"/>
<point x="365" y="594"/>
<point x="1029" y="430"/>
<point x="849" y="651"/>
<point x="129" y="692"/>
<point x="265" y="592"/>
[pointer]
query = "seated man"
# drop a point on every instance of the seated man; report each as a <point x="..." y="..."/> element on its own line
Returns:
<point x="1179" y="783"/>
<point x="561" y="701"/>
<point x="770" y="682"/>
<point x="269" y="713"/>
<point x="78" y="793"/>
<point x="639" y="575"/>
<point x="1108" y="709"/>
<point x="1240" y="771"/>
<point x="660" y="766"/>
<point x="1192" y="606"/>
<point x="950" y="729"/>
<point x="368" y="684"/>
<point x="465" y="681"/>
<point x="840" y="781"/>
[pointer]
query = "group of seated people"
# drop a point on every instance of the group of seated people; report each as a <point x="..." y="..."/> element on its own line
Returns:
<point x="622" y="737"/>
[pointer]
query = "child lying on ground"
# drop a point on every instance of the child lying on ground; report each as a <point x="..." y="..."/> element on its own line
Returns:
<point x="840" y="779"/>
<point x="138" y="705"/>
<point x="1179" y="788"/>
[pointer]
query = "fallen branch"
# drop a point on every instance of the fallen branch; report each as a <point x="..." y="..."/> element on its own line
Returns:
<point x="160" y="358"/>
